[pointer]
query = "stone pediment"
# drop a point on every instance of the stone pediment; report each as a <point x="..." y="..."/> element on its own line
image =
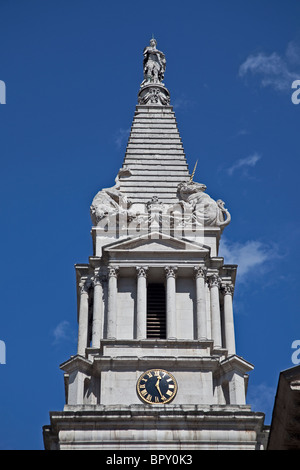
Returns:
<point x="156" y="242"/>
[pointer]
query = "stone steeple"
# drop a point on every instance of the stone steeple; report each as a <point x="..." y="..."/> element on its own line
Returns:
<point x="155" y="169"/>
<point x="154" y="156"/>
<point x="156" y="363"/>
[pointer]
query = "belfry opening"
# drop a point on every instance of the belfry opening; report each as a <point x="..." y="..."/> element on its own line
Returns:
<point x="156" y="311"/>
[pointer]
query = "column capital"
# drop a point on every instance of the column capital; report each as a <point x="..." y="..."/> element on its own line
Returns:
<point x="171" y="271"/>
<point x="200" y="271"/>
<point x="113" y="271"/>
<point x="85" y="284"/>
<point x="142" y="271"/>
<point x="98" y="278"/>
<point x="227" y="289"/>
<point x="214" y="280"/>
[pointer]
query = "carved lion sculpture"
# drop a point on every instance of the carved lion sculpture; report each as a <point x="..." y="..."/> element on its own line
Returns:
<point x="110" y="201"/>
<point x="206" y="210"/>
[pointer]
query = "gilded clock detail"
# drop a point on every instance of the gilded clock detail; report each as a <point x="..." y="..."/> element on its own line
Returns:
<point x="156" y="386"/>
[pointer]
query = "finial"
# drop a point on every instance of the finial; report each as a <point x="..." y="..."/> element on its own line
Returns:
<point x="192" y="176"/>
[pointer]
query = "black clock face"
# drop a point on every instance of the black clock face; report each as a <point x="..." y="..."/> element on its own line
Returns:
<point x="156" y="386"/>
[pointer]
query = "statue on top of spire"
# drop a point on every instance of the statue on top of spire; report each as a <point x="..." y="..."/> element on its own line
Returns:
<point x="152" y="90"/>
<point x="154" y="64"/>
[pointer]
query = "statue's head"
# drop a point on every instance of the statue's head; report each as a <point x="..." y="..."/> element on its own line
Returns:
<point x="124" y="172"/>
<point x="153" y="42"/>
<point x="186" y="188"/>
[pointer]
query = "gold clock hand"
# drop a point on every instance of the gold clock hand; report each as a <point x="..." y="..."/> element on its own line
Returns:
<point x="157" y="386"/>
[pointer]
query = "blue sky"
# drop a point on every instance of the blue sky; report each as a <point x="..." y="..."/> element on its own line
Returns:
<point x="72" y="71"/>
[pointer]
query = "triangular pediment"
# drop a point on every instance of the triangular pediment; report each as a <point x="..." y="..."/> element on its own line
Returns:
<point x="156" y="242"/>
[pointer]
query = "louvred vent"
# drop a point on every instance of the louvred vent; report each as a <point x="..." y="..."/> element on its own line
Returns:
<point x="156" y="311"/>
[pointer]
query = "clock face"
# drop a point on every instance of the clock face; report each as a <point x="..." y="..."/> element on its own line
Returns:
<point x="156" y="386"/>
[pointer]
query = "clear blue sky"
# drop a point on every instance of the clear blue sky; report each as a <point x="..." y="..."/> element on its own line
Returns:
<point x="72" y="70"/>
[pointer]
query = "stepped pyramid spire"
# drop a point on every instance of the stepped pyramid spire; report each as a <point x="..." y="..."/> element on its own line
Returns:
<point x="154" y="156"/>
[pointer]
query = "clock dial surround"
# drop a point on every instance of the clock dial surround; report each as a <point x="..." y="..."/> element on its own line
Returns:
<point x="156" y="386"/>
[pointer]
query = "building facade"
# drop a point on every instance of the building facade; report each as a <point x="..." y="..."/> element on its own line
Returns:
<point x="156" y="365"/>
<point x="285" y="425"/>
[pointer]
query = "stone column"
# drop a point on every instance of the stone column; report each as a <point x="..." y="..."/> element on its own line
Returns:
<point x="83" y="321"/>
<point x="200" y="274"/>
<point x="171" y="302"/>
<point x="112" y="302"/>
<point x="228" y="319"/>
<point x="97" y="330"/>
<point x="214" y="285"/>
<point x="141" y="302"/>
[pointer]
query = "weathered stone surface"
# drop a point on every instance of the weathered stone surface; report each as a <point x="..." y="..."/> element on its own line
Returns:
<point x="167" y="427"/>
<point x="151" y="144"/>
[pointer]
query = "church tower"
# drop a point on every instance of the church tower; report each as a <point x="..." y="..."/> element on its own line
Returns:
<point x="156" y="365"/>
